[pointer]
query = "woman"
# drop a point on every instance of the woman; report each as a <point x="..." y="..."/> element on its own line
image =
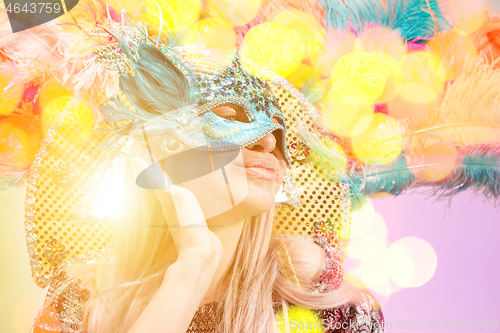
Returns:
<point x="204" y="157"/>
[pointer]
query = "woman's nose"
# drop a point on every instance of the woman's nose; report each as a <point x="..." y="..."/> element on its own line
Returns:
<point x="265" y="144"/>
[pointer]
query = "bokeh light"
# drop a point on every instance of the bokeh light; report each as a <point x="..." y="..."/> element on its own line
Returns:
<point x="50" y="90"/>
<point x="339" y="115"/>
<point x="235" y="12"/>
<point x="452" y="48"/>
<point x="381" y="266"/>
<point x="411" y="262"/>
<point x="19" y="141"/>
<point x="177" y="15"/>
<point x="360" y="77"/>
<point x="382" y="39"/>
<point x="376" y="139"/>
<point x="424" y="67"/>
<point x="217" y="35"/>
<point x="410" y="100"/>
<point x="307" y="25"/>
<point x="67" y="113"/>
<point x="314" y="88"/>
<point x="357" y="247"/>
<point x="268" y="44"/>
<point x="437" y="161"/>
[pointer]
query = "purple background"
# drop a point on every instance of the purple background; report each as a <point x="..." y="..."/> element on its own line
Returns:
<point x="464" y="234"/>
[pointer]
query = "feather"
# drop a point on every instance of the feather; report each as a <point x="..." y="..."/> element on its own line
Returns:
<point x="487" y="40"/>
<point x="394" y="178"/>
<point x="11" y="177"/>
<point x="478" y="169"/>
<point x="158" y="89"/>
<point x="414" y="20"/>
<point x="469" y="109"/>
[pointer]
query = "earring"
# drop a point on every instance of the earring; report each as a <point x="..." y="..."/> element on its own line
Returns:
<point x="292" y="193"/>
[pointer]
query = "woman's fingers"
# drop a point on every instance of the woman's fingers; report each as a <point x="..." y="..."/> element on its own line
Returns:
<point x="187" y="207"/>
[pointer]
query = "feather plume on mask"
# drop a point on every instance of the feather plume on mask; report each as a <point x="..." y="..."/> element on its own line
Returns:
<point x="158" y="88"/>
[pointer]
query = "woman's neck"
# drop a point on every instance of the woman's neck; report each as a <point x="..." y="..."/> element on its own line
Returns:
<point x="229" y="236"/>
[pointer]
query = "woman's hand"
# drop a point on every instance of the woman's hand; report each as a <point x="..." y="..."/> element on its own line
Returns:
<point x="184" y="216"/>
<point x="187" y="280"/>
<point x="188" y="227"/>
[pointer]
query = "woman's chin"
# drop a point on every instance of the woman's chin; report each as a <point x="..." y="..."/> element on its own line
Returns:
<point x="256" y="205"/>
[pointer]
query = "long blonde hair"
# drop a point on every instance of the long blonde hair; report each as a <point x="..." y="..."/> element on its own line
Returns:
<point x="131" y="275"/>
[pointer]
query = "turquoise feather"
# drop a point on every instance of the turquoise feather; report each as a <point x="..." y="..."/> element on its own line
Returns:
<point x="405" y="16"/>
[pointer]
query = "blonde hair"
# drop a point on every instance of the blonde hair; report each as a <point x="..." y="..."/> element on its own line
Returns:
<point x="129" y="278"/>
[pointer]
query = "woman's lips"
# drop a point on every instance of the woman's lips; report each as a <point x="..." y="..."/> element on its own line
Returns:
<point x="260" y="172"/>
<point x="262" y="169"/>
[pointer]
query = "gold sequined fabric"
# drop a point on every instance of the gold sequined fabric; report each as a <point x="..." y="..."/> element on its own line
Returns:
<point x="63" y="179"/>
<point x="322" y="198"/>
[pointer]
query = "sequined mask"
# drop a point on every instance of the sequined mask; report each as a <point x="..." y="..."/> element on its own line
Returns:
<point x="233" y="85"/>
<point x="216" y="84"/>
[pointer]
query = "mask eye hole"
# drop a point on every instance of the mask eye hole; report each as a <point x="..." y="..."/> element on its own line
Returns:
<point x="231" y="112"/>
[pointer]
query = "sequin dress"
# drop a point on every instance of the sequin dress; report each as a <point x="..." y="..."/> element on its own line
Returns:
<point x="63" y="314"/>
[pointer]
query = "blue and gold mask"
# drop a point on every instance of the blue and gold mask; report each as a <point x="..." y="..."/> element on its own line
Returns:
<point x="233" y="86"/>
<point x="179" y="87"/>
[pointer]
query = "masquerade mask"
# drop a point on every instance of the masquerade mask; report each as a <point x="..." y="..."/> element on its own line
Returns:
<point x="207" y="85"/>
<point x="235" y="86"/>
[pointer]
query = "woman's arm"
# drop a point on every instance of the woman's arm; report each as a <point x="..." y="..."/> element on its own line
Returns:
<point x="188" y="279"/>
<point x="174" y="305"/>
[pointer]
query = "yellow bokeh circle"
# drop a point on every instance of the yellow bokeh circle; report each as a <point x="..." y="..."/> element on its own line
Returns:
<point x="424" y="67"/>
<point x="177" y="15"/>
<point x="278" y="47"/>
<point x="51" y="90"/>
<point x="19" y="141"/>
<point x="376" y="139"/>
<point x="361" y="77"/>
<point x="308" y="26"/>
<point x="70" y="117"/>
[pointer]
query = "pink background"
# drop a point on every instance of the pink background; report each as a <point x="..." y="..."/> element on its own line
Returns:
<point x="465" y="235"/>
